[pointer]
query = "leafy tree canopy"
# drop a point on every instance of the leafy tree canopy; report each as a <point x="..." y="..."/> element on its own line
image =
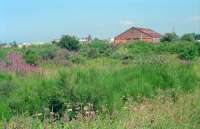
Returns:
<point x="188" y="37"/>
<point x="69" y="42"/>
<point x="169" y="37"/>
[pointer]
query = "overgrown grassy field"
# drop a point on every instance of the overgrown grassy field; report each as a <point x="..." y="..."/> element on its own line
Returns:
<point x="136" y="85"/>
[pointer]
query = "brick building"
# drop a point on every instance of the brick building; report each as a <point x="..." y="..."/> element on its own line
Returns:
<point x="135" y="33"/>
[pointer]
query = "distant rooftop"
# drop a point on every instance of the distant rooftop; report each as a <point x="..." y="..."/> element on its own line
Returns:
<point x="149" y="32"/>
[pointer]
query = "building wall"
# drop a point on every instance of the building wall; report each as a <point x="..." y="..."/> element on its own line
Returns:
<point x="156" y="40"/>
<point x="148" y="40"/>
<point x="120" y="41"/>
<point x="132" y="35"/>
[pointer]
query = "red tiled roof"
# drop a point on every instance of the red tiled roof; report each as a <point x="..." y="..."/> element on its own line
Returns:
<point x="149" y="32"/>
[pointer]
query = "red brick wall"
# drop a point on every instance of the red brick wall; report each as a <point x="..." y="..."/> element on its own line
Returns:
<point x="132" y="35"/>
<point x="119" y="41"/>
<point x="148" y="40"/>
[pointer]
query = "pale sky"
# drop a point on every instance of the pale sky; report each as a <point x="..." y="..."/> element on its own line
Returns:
<point x="45" y="20"/>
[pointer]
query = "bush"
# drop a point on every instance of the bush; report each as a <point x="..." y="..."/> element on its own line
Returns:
<point x="168" y="47"/>
<point x="97" y="48"/>
<point x="189" y="51"/>
<point x="76" y="58"/>
<point x="5" y="88"/>
<point x="48" y="54"/>
<point x="131" y="51"/>
<point x="69" y="42"/>
<point x="5" y="111"/>
<point x="5" y="85"/>
<point x="197" y="37"/>
<point x="14" y="44"/>
<point x="31" y="57"/>
<point x="56" y="105"/>
<point x="141" y="47"/>
<point x="188" y="37"/>
<point x="169" y="37"/>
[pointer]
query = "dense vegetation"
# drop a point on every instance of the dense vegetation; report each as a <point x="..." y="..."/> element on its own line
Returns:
<point x="99" y="85"/>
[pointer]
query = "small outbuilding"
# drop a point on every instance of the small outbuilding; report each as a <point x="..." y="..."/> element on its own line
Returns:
<point x="135" y="34"/>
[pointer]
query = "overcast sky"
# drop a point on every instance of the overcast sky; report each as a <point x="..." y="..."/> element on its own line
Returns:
<point x="45" y="20"/>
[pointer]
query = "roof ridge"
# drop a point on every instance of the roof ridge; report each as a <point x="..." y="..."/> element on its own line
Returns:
<point x="146" y="31"/>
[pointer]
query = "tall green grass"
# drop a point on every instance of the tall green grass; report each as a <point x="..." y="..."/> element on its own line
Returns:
<point x="105" y="86"/>
<point x="105" y="80"/>
<point x="161" y="112"/>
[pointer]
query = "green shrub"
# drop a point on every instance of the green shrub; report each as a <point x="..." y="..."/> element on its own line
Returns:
<point x="31" y="57"/>
<point x="92" y="53"/>
<point x="5" y="88"/>
<point x="6" y="85"/>
<point x="48" y="54"/>
<point x="56" y="105"/>
<point x="185" y="50"/>
<point x="76" y="58"/>
<point x="140" y="47"/>
<point x="69" y="42"/>
<point x="189" y="51"/>
<point x="96" y="48"/>
<point x="5" y="111"/>
<point x="188" y="37"/>
<point x="169" y="37"/>
<point x="170" y="47"/>
<point x="197" y="37"/>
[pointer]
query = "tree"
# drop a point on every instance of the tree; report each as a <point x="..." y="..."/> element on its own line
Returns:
<point x="53" y="42"/>
<point x="13" y="44"/>
<point x="169" y="37"/>
<point x="69" y="42"/>
<point x="188" y="37"/>
<point x="197" y="37"/>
